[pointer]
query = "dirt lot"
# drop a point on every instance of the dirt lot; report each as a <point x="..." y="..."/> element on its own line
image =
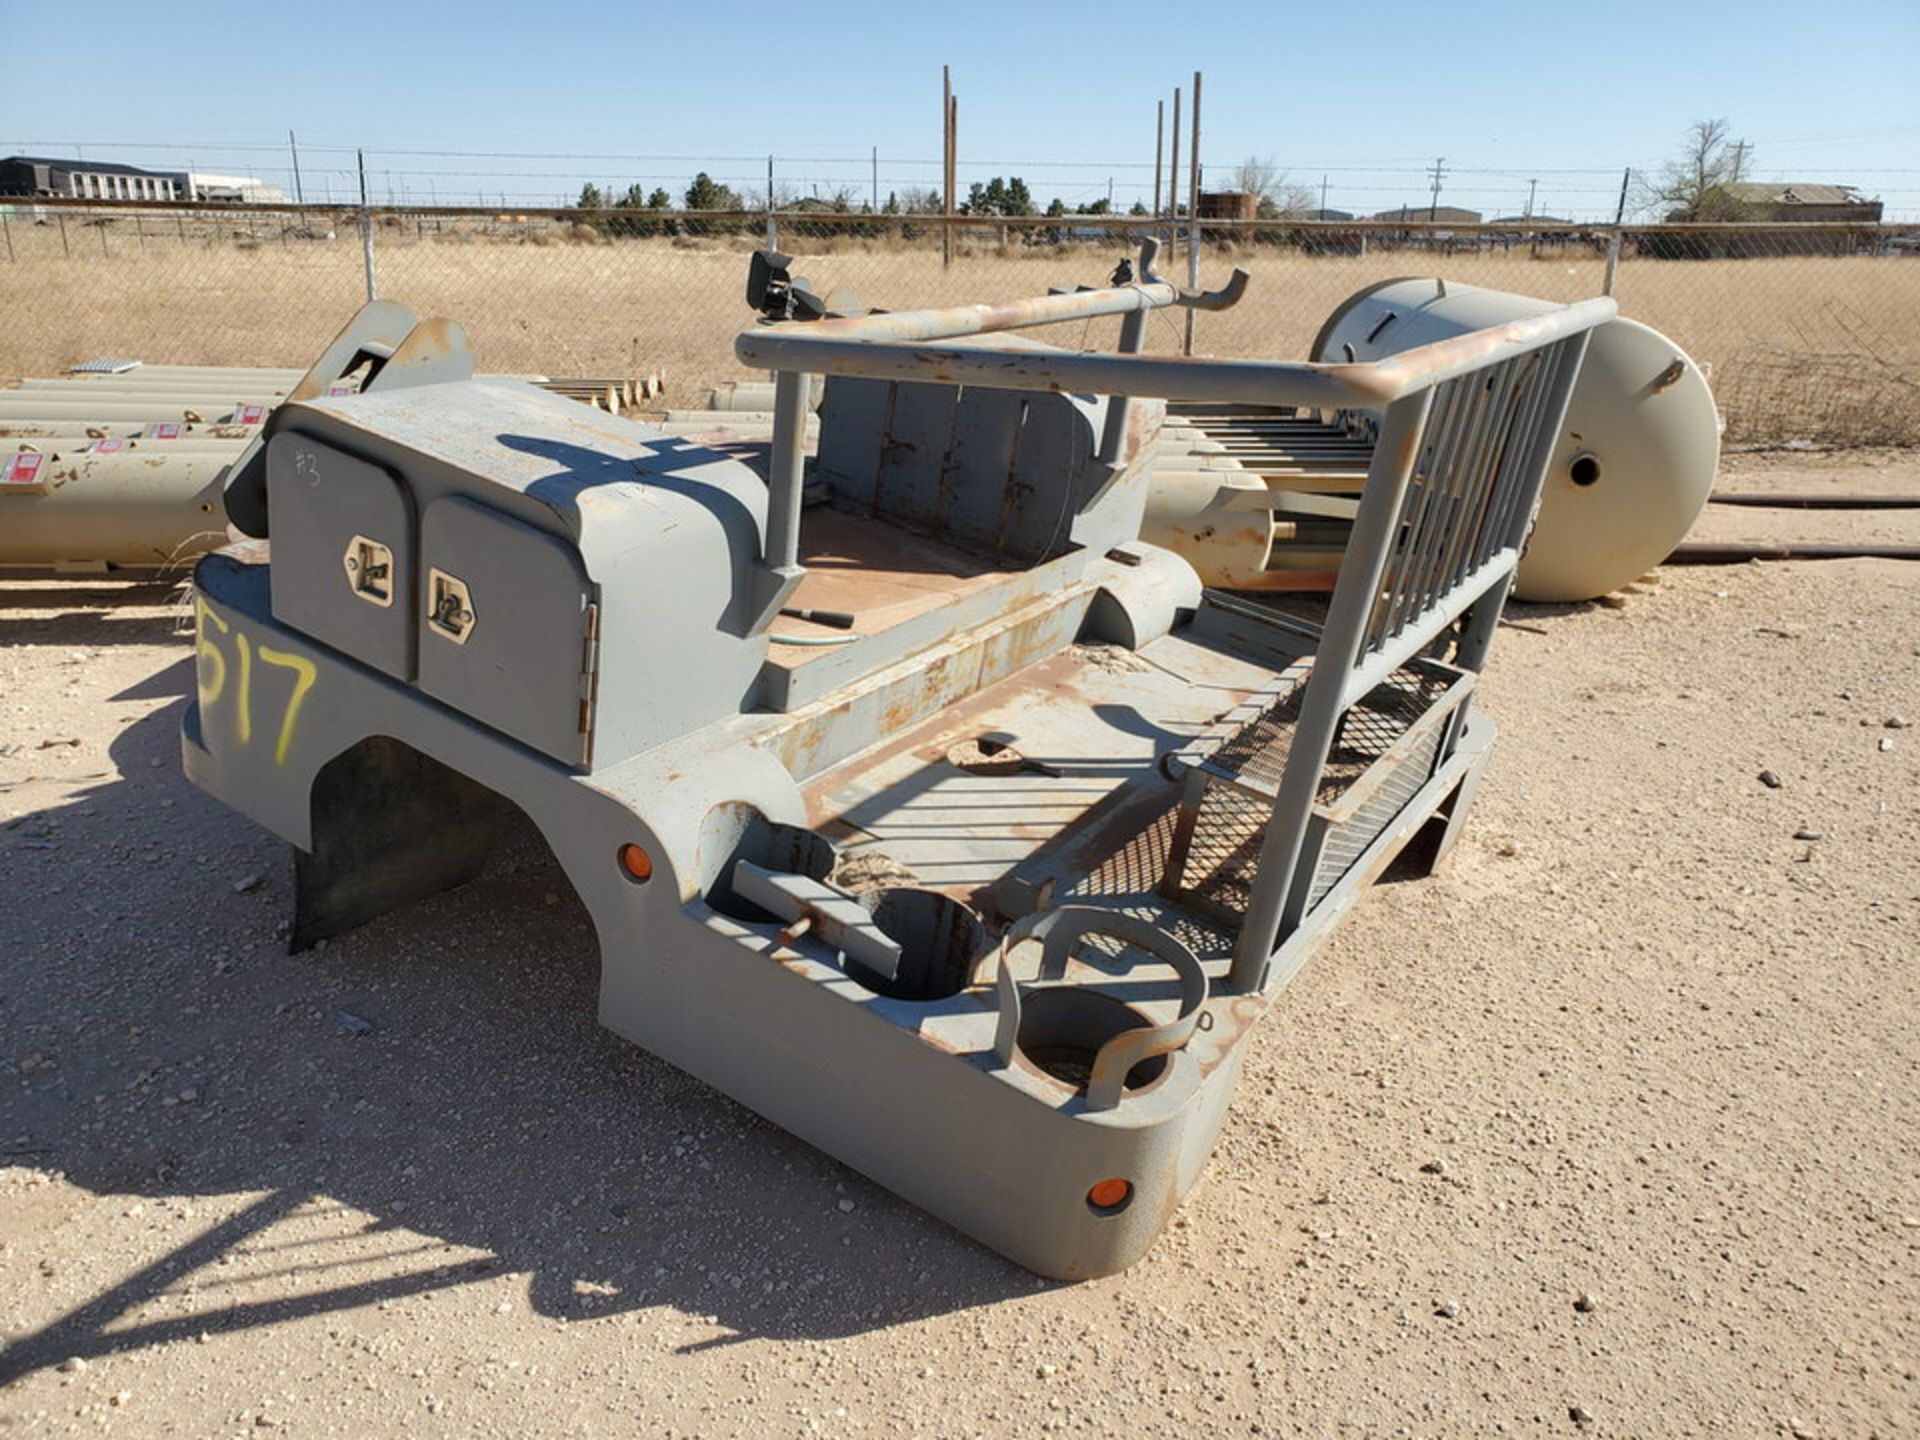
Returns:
<point x="1607" y="1130"/>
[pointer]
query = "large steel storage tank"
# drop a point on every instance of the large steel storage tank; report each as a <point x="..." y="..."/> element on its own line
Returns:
<point x="1634" y="468"/>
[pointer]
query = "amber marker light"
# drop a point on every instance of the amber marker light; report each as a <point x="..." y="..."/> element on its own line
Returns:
<point x="1110" y="1195"/>
<point x="635" y="863"/>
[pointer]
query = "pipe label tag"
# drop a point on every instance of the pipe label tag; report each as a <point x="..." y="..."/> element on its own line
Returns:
<point x="21" y="471"/>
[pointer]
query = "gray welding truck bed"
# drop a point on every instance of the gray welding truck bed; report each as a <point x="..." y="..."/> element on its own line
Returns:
<point x="982" y="894"/>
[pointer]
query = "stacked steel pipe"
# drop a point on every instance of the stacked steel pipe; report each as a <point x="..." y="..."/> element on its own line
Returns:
<point x="120" y="466"/>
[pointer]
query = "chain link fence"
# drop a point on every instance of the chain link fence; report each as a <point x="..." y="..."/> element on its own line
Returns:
<point x="1809" y="333"/>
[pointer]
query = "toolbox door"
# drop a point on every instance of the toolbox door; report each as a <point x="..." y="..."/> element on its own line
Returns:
<point x="507" y="627"/>
<point x="343" y="561"/>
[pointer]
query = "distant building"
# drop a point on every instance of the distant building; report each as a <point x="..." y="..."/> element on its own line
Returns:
<point x="232" y="189"/>
<point x="1435" y="214"/>
<point x="30" y="175"/>
<point x="88" y="180"/>
<point x="1800" y="201"/>
<point x="1229" y="205"/>
<point x="1768" y="203"/>
<point x="1326" y="215"/>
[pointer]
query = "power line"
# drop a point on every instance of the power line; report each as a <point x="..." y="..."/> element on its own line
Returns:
<point x="1410" y="168"/>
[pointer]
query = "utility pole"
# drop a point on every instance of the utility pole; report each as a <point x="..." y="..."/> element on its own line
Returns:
<point x="1193" y="211"/>
<point x="1159" y="147"/>
<point x="1438" y="173"/>
<point x="1532" y="186"/>
<point x="1109" y="194"/>
<point x="293" y="147"/>
<point x="1173" y="181"/>
<point x="1620" y="210"/>
<point x="1740" y="148"/>
<point x="876" y="179"/>
<point x="1323" y="197"/>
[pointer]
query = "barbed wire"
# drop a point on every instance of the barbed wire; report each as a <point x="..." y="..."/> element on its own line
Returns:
<point x="1357" y="187"/>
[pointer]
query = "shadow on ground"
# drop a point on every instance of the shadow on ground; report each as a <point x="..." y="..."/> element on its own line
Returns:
<point x="440" y="1070"/>
<point x="48" y="615"/>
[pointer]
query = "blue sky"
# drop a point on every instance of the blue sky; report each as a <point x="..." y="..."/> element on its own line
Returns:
<point x="455" y="101"/>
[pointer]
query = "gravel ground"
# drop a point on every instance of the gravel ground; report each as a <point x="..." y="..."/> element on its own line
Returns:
<point x="1608" y="1130"/>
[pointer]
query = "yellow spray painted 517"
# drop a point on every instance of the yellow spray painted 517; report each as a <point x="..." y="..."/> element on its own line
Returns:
<point x="213" y="669"/>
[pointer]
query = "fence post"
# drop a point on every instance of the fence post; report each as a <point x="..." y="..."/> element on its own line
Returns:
<point x="1613" y="261"/>
<point x="66" y="250"/>
<point x="366" y="231"/>
<point x="8" y="228"/>
<point x="104" y="222"/>
<point x="773" y="223"/>
<point x="1193" y="213"/>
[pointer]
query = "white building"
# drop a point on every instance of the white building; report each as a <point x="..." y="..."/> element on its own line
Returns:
<point x="232" y="189"/>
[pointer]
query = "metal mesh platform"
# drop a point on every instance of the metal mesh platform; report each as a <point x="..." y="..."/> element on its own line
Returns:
<point x="1231" y="789"/>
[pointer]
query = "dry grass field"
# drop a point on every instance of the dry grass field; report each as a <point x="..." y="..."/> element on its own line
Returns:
<point x="1799" y="347"/>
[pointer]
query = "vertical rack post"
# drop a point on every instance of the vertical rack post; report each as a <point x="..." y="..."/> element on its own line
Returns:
<point x="1321" y="707"/>
<point x="786" y="477"/>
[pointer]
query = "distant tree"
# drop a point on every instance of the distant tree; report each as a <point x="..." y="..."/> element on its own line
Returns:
<point x="1052" y="234"/>
<point x="999" y="196"/>
<point x="705" y="193"/>
<point x="1695" y="184"/>
<point x="892" y="207"/>
<point x="1102" y="206"/>
<point x="1275" y="196"/>
<point x="590" y="198"/>
<point x="783" y="197"/>
<point x="915" y="201"/>
<point x="1139" y="208"/>
<point x="622" y="222"/>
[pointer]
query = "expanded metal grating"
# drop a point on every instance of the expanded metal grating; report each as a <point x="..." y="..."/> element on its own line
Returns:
<point x="1256" y="756"/>
<point x="1242" y="775"/>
